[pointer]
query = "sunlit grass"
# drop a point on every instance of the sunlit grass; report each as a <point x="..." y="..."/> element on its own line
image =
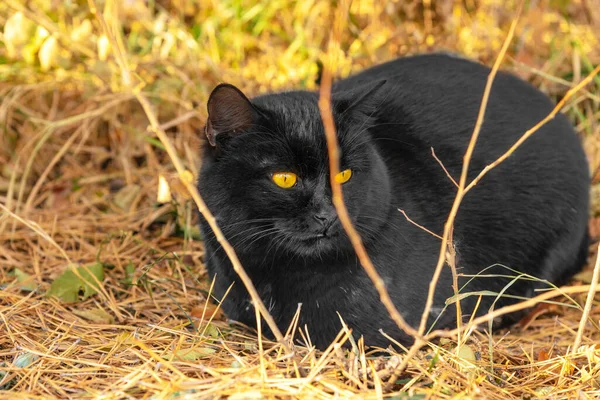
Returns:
<point x="81" y="172"/>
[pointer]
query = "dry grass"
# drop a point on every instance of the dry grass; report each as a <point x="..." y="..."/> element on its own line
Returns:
<point x="79" y="171"/>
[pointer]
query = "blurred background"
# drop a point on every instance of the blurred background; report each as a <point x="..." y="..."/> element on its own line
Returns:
<point x="80" y="171"/>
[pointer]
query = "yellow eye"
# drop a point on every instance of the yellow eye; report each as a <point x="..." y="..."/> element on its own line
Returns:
<point x="343" y="176"/>
<point x="285" y="179"/>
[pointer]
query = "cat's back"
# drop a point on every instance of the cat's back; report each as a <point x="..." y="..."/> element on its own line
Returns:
<point x="536" y="198"/>
<point x="446" y="90"/>
<point x="435" y="98"/>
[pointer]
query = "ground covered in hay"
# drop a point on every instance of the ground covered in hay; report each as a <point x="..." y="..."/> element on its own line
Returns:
<point x="102" y="287"/>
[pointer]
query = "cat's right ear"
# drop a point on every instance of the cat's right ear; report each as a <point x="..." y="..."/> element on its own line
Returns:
<point x="229" y="112"/>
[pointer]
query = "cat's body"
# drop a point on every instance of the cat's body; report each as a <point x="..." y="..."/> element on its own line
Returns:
<point x="529" y="213"/>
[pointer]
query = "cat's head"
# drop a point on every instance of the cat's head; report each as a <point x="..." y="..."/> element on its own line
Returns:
<point x="265" y="172"/>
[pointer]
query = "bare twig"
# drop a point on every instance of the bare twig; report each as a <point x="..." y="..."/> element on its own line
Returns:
<point x="448" y="227"/>
<point x="36" y="228"/>
<point x="588" y="303"/>
<point x="443" y="167"/>
<point x="334" y="169"/>
<point x="189" y="184"/>
<point x="419" y="226"/>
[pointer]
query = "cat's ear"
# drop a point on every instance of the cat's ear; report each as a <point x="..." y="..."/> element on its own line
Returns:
<point x="363" y="98"/>
<point x="229" y="111"/>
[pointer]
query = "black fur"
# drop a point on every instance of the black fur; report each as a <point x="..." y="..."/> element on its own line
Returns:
<point x="529" y="214"/>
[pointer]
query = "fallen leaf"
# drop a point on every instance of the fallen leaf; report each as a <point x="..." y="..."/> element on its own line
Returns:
<point x="178" y="187"/>
<point x="568" y="368"/>
<point x="540" y="309"/>
<point x="26" y="281"/>
<point x="129" y="273"/>
<point x="82" y="31"/>
<point x="59" y="198"/>
<point x="211" y="309"/>
<point x="164" y="192"/>
<point x="585" y="276"/>
<point x="48" y="53"/>
<point x="249" y="395"/>
<point x="211" y="330"/>
<point x="103" y="48"/>
<point x="119" y="340"/>
<point x="24" y="360"/>
<point x="125" y="197"/>
<point x="68" y="285"/>
<point x="95" y="315"/>
<point x="466" y="353"/>
<point x="190" y="354"/>
<point x="543" y="355"/>
<point x="17" y="31"/>
<point x="187" y="177"/>
<point x="191" y="231"/>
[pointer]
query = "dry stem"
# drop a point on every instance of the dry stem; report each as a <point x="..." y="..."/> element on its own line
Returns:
<point x="183" y="173"/>
<point x="337" y="195"/>
<point x="588" y="303"/>
<point x="448" y="227"/>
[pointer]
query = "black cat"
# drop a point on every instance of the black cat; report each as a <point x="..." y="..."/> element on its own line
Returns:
<point x="265" y="177"/>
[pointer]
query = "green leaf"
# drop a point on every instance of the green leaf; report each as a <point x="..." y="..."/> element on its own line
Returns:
<point x="21" y="361"/>
<point x="461" y="296"/>
<point x="466" y="353"/>
<point x="407" y="396"/>
<point x="196" y="31"/>
<point x="154" y="142"/>
<point x="129" y="271"/>
<point x="68" y="285"/>
<point x="95" y="315"/>
<point x="25" y="280"/>
<point x="434" y="360"/>
<point x="191" y="354"/>
<point x="212" y="331"/>
<point x="125" y="197"/>
<point x="90" y="287"/>
<point x="24" y="360"/>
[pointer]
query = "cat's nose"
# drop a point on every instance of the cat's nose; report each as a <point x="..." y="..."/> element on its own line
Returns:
<point x="325" y="220"/>
<point x="322" y="218"/>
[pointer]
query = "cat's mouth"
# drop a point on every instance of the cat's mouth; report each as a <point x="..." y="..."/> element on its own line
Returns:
<point x="308" y="245"/>
<point x="316" y="240"/>
<point x="313" y="238"/>
<point x="312" y="242"/>
<point x="315" y="243"/>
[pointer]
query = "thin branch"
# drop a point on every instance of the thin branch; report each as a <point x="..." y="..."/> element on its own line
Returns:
<point x="448" y="227"/>
<point x="419" y="226"/>
<point x="443" y="167"/>
<point x="37" y="229"/>
<point x="334" y="169"/>
<point x="180" y="119"/>
<point x="588" y="303"/>
<point x="188" y="183"/>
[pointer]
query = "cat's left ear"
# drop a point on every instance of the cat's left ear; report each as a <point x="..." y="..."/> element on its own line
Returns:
<point x="229" y="111"/>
